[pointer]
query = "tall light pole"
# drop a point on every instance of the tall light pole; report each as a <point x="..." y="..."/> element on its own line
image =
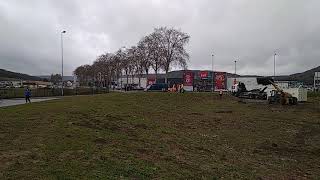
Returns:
<point x="123" y="48"/>
<point x="62" y="32"/>
<point x="274" y="66"/>
<point x="212" y="87"/>
<point x="235" y="70"/>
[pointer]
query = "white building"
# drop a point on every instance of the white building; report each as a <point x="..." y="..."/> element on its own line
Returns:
<point x="287" y="86"/>
<point x="250" y="82"/>
<point x="14" y="83"/>
<point x="122" y="81"/>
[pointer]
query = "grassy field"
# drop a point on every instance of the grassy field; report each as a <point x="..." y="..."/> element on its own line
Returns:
<point x="161" y="136"/>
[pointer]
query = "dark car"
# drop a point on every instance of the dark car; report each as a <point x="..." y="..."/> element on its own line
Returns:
<point x="160" y="87"/>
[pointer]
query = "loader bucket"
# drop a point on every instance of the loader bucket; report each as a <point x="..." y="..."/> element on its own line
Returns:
<point x="265" y="80"/>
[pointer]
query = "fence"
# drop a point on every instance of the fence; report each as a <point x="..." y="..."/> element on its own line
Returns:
<point x="7" y="93"/>
<point x="314" y="94"/>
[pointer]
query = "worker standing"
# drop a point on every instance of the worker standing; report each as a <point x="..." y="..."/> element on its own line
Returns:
<point x="220" y="93"/>
<point x="181" y="89"/>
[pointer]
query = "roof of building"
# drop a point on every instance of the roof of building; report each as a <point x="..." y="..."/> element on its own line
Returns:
<point x="172" y="74"/>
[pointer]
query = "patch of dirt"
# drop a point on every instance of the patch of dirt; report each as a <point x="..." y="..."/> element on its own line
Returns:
<point x="99" y="123"/>
<point x="285" y="150"/>
<point x="141" y="126"/>
<point x="196" y="114"/>
<point x="9" y="158"/>
<point x="90" y="123"/>
<point x="100" y="140"/>
<point x="142" y="151"/>
<point x="224" y="111"/>
<point x="308" y="135"/>
<point x="68" y="155"/>
<point x="111" y="123"/>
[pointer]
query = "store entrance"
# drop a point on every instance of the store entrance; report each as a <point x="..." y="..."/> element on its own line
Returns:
<point x="203" y="85"/>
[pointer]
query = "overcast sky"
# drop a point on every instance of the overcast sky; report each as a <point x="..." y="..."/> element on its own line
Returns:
<point x="248" y="31"/>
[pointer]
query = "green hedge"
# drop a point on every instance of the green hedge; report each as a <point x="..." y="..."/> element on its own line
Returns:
<point x="314" y="94"/>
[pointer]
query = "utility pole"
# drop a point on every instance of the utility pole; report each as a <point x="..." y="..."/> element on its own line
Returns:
<point x="235" y="70"/>
<point x="212" y="81"/>
<point x="314" y="82"/>
<point x="62" y="62"/>
<point x="316" y="79"/>
<point x="274" y="66"/>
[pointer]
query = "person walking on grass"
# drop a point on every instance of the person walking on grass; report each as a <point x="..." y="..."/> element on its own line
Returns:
<point x="27" y="95"/>
<point x="181" y="88"/>
<point x="220" y="93"/>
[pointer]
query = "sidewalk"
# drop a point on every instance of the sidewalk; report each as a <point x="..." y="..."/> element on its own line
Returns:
<point x="18" y="101"/>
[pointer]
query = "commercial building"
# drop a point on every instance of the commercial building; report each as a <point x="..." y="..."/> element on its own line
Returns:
<point x="193" y="80"/>
<point x="36" y="84"/>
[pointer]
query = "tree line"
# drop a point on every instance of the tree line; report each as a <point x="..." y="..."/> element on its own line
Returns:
<point x="159" y="51"/>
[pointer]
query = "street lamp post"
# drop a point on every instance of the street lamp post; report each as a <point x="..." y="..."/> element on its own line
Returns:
<point x="212" y="87"/>
<point x="235" y="70"/>
<point x="62" y="32"/>
<point x="274" y="66"/>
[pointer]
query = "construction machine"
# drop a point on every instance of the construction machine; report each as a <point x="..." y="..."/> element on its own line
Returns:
<point x="242" y="92"/>
<point x="277" y="95"/>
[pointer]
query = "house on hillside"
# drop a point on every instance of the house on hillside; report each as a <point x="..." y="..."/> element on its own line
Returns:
<point x="37" y="84"/>
<point x="10" y="84"/>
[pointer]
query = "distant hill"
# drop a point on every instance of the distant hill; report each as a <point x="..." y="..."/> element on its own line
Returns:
<point x="65" y="78"/>
<point x="9" y="75"/>
<point x="305" y="77"/>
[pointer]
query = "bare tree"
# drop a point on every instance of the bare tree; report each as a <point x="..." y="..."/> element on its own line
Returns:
<point x="145" y="54"/>
<point x="173" y="50"/>
<point x="120" y="64"/>
<point x="132" y="56"/>
<point x="155" y="50"/>
<point x="102" y="68"/>
<point x="55" y="78"/>
<point x="84" y="74"/>
<point x="142" y="62"/>
<point x="159" y="50"/>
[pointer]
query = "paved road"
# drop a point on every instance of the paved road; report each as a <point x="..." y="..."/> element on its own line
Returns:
<point x="13" y="102"/>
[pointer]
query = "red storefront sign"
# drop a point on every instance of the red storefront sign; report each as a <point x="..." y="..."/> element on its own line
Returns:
<point x="188" y="78"/>
<point x="203" y="74"/>
<point x="220" y="80"/>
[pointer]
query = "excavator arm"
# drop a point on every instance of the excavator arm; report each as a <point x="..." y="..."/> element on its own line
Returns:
<point x="267" y="81"/>
<point x="276" y="87"/>
<point x="286" y="98"/>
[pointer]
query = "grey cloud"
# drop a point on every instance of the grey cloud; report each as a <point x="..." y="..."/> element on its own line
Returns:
<point x="246" y="30"/>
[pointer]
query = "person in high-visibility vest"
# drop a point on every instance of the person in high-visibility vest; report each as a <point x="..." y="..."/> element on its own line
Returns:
<point x="174" y="88"/>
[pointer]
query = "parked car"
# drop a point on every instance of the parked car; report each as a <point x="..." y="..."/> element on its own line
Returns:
<point x="160" y="87"/>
